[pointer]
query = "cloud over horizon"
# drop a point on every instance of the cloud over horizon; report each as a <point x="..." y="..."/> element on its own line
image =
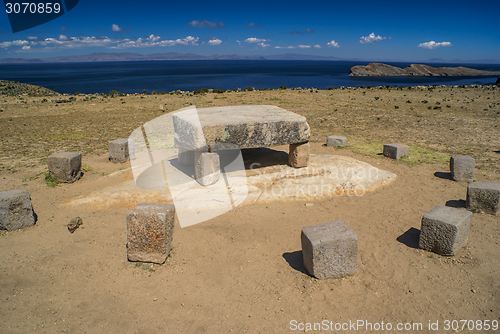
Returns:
<point x="333" y="44"/>
<point x="214" y="41"/>
<point x="371" y="39"/>
<point x="116" y="28"/>
<point x="256" y="40"/>
<point x="433" y="45"/>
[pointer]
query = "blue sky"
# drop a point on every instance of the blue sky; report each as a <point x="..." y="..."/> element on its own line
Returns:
<point x="368" y="30"/>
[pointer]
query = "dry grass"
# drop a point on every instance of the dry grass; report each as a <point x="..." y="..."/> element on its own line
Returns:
<point x="435" y="122"/>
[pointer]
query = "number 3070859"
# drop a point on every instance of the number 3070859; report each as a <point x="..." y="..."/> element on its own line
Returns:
<point x="33" y="8"/>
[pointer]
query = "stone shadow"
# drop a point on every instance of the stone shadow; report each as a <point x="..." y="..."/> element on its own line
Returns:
<point x="443" y="175"/>
<point x="263" y="157"/>
<point x="456" y="203"/>
<point x="296" y="261"/>
<point x="410" y="238"/>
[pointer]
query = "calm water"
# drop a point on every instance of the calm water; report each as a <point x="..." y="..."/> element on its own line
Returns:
<point x="133" y="77"/>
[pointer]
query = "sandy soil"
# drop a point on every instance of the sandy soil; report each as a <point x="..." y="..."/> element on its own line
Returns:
<point x="242" y="271"/>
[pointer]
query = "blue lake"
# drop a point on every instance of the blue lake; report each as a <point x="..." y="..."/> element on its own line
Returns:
<point x="189" y="75"/>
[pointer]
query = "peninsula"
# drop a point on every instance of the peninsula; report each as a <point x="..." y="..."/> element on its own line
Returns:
<point x="420" y="70"/>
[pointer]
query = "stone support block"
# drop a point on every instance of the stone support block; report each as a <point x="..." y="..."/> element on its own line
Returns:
<point x="444" y="230"/>
<point x="462" y="168"/>
<point x="330" y="250"/>
<point x="484" y="196"/>
<point x="118" y="150"/>
<point x="150" y="227"/>
<point x="396" y="150"/>
<point x="16" y="210"/>
<point x="207" y="168"/>
<point x="65" y="166"/>
<point x="298" y="155"/>
<point x="336" y="141"/>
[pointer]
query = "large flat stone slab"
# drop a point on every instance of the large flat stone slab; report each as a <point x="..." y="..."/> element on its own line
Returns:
<point x="243" y="126"/>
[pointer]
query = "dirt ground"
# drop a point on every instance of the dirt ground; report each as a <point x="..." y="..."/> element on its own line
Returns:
<point x="242" y="271"/>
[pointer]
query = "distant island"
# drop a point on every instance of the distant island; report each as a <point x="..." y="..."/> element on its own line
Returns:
<point x="418" y="70"/>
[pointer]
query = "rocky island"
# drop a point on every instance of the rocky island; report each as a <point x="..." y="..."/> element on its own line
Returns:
<point x="384" y="70"/>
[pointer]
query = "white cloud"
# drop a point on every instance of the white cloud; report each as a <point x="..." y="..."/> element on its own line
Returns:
<point x="317" y="46"/>
<point x="262" y="45"/>
<point x="65" y="42"/>
<point x="285" y="47"/>
<point x="153" y="40"/>
<point x="13" y="43"/>
<point x="433" y="45"/>
<point x="371" y="39"/>
<point x="256" y="40"/>
<point x="116" y="28"/>
<point x="214" y="41"/>
<point x="303" y="46"/>
<point x="333" y="44"/>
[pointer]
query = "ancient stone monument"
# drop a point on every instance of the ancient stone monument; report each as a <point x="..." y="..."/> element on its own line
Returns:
<point x="336" y="141"/>
<point x="223" y="128"/>
<point x="16" y="210"/>
<point x="396" y="150"/>
<point x="462" y="168"/>
<point x="484" y="196"/>
<point x="444" y="230"/>
<point x="330" y="250"/>
<point x="65" y="166"/>
<point x="150" y="227"/>
<point x="118" y="150"/>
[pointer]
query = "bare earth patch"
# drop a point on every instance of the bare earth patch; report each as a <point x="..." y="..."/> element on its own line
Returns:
<point x="242" y="271"/>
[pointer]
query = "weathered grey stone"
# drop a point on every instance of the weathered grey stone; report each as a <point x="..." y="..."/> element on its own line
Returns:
<point x="207" y="168"/>
<point x="186" y="157"/>
<point x="118" y="150"/>
<point x="150" y="227"/>
<point x="65" y="166"/>
<point x="330" y="250"/>
<point x="131" y="149"/>
<point x="336" y="141"/>
<point x="16" y="210"/>
<point x="484" y="196"/>
<point x="298" y="155"/>
<point x="462" y="168"/>
<point x="244" y="126"/>
<point x="444" y="230"/>
<point x="396" y="150"/>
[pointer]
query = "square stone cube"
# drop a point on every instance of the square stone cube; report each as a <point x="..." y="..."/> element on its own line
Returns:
<point x="462" y="168"/>
<point x="207" y="168"/>
<point x="298" y="155"/>
<point x="444" y="230"/>
<point x="16" y="210"/>
<point x="150" y="227"/>
<point x="185" y="156"/>
<point x="118" y="150"/>
<point x="396" y="150"/>
<point x="484" y="196"/>
<point x="330" y="250"/>
<point x="336" y="141"/>
<point x="65" y="166"/>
